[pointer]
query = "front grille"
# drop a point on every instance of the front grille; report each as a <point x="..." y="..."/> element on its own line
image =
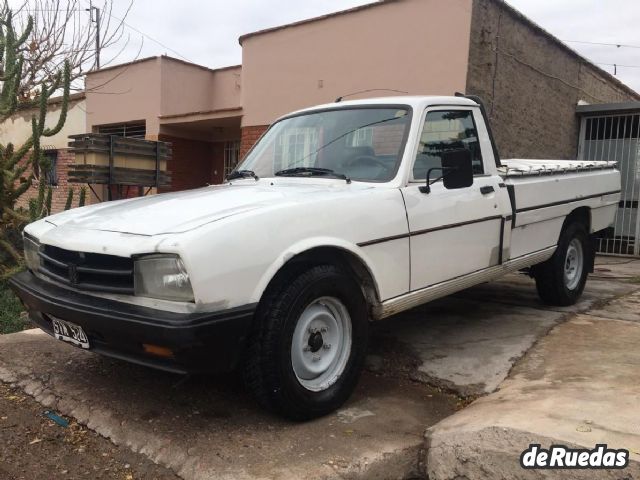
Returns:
<point x="87" y="271"/>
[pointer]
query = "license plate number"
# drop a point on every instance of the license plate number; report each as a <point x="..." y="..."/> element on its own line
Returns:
<point x="69" y="332"/>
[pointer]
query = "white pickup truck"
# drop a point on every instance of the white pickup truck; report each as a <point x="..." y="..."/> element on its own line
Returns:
<point x="341" y="214"/>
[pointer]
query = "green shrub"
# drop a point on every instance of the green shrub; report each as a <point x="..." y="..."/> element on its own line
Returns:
<point x="10" y="310"/>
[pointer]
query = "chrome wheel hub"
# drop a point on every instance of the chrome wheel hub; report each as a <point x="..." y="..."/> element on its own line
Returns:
<point x="321" y="343"/>
<point x="573" y="264"/>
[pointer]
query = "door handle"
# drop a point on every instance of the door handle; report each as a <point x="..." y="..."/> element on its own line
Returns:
<point x="486" y="189"/>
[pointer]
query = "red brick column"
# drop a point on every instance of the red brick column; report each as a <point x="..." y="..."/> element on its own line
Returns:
<point x="249" y="136"/>
<point x="59" y="196"/>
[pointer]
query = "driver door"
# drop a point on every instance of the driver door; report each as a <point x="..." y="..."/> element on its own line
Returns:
<point x="453" y="232"/>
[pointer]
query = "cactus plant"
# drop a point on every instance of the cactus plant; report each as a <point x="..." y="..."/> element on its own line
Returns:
<point x="19" y="167"/>
<point x="67" y="204"/>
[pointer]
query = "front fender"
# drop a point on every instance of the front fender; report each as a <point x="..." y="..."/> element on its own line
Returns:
<point x="309" y="244"/>
<point x="232" y="261"/>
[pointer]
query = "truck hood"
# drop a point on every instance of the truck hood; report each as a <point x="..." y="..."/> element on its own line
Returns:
<point x="179" y="212"/>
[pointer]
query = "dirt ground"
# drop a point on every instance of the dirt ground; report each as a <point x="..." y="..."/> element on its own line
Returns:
<point x="33" y="447"/>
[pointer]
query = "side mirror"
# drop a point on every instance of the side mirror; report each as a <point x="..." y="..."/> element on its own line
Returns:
<point x="457" y="171"/>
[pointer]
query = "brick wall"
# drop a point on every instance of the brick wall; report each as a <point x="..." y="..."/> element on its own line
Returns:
<point x="249" y="136"/>
<point x="532" y="84"/>
<point x="194" y="164"/>
<point x="61" y="190"/>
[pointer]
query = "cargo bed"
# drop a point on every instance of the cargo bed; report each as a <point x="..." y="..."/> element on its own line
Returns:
<point x="540" y="203"/>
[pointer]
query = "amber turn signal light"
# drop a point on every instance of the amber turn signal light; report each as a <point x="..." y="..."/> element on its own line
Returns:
<point x="157" y="350"/>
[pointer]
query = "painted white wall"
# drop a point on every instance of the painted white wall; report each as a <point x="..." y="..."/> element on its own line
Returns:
<point x="17" y="129"/>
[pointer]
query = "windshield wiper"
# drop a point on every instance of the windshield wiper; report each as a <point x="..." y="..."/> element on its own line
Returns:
<point x="311" y="171"/>
<point x="242" y="174"/>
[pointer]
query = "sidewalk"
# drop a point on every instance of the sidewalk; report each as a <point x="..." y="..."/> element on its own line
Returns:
<point x="578" y="386"/>
<point x="206" y="428"/>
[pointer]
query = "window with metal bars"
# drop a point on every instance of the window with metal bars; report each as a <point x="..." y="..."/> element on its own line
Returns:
<point x="297" y="146"/>
<point x="129" y="129"/>
<point x="616" y="137"/>
<point x="363" y="137"/>
<point x="231" y="156"/>
<point x="51" y="175"/>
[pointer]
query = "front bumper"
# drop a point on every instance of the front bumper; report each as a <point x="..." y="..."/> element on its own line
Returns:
<point x="200" y="342"/>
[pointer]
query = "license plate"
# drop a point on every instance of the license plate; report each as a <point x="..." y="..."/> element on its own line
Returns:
<point x="69" y="332"/>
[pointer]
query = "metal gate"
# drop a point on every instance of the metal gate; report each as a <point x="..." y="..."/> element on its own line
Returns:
<point x="616" y="137"/>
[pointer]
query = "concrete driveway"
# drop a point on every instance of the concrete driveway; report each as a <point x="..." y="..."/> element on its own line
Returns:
<point x="424" y="366"/>
<point x="578" y="386"/>
<point x="468" y="342"/>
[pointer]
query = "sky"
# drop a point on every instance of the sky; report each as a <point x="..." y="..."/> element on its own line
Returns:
<point x="598" y="21"/>
<point x="207" y="31"/>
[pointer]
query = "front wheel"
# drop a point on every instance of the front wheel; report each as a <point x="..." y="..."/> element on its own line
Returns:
<point x="561" y="279"/>
<point x="309" y="343"/>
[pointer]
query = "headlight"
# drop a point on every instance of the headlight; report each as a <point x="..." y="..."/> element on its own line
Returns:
<point x="162" y="276"/>
<point x="31" y="253"/>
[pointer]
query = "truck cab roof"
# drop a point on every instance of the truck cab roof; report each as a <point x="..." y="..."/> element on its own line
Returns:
<point x="416" y="102"/>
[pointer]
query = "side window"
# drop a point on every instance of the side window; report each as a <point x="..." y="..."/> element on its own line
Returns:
<point x="444" y="131"/>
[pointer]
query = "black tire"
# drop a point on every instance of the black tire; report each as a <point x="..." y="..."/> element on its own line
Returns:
<point x="269" y="372"/>
<point x="552" y="285"/>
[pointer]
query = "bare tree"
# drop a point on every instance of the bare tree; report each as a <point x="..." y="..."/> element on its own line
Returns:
<point x="70" y="31"/>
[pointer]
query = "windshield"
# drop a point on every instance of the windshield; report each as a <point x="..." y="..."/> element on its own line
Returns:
<point x="364" y="144"/>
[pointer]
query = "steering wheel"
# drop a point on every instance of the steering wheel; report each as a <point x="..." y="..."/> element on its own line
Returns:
<point x="366" y="159"/>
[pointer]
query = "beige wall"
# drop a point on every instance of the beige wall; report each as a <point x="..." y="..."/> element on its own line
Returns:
<point x="226" y="88"/>
<point x="190" y="88"/>
<point x="418" y="46"/>
<point x="155" y="87"/>
<point x="184" y="88"/>
<point x="125" y="93"/>
<point x="17" y="129"/>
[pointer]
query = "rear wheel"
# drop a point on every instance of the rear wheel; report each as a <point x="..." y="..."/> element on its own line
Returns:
<point x="561" y="279"/>
<point x="309" y="343"/>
